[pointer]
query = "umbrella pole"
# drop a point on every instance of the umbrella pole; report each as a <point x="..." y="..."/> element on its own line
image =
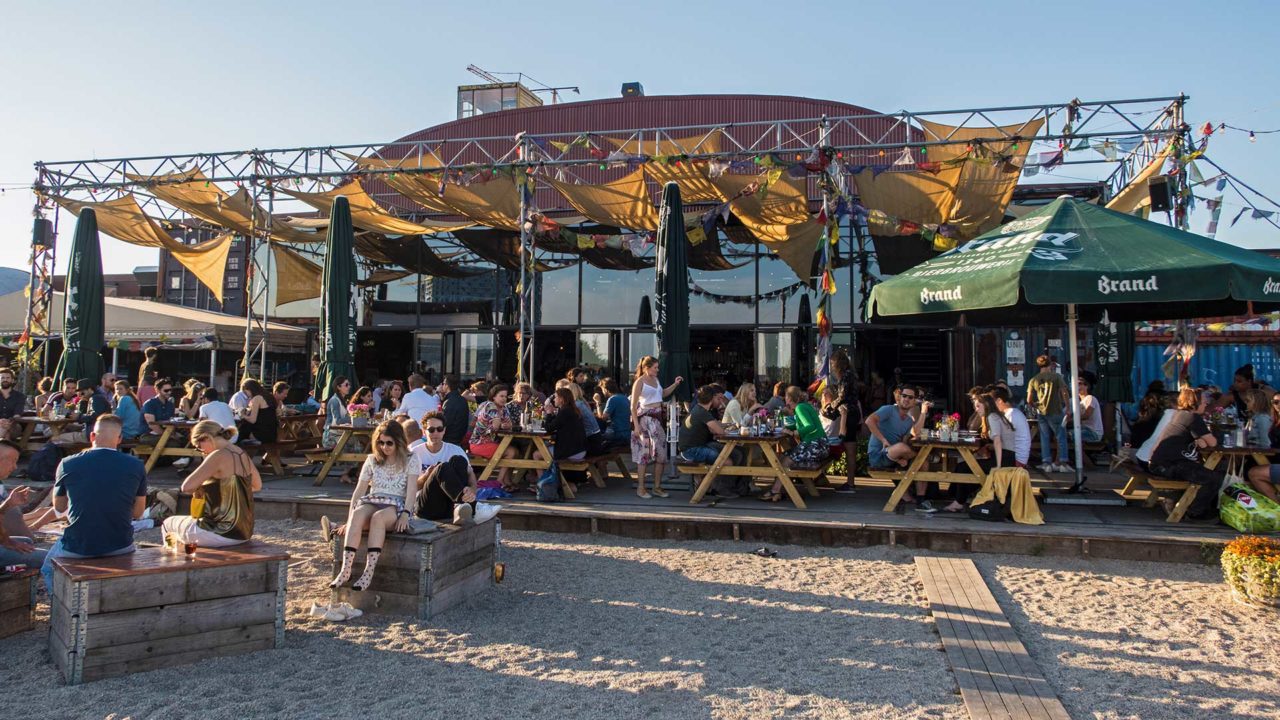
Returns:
<point x="1076" y="439"/>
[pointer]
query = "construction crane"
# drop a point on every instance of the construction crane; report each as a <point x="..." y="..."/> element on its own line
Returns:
<point x="520" y="78"/>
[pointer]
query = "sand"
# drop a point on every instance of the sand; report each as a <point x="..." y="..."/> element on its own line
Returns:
<point x="601" y="627"/>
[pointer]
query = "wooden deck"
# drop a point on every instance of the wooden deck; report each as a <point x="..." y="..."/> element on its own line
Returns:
<point x="997" y="678"/>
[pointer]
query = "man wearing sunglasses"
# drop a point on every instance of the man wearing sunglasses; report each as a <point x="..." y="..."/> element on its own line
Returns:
<point x="892" y="425"/>
<point x="447" y="486"/>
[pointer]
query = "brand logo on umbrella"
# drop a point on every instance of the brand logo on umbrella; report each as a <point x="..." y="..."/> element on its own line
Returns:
<point x="1106" y="285"/>
<point x="1047" y="246"/>
<point x="1270" y="287"/>
<point x="927" y="296"/>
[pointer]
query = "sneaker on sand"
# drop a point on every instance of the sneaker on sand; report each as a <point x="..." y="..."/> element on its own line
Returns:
<point x="462" y="514"/>
<point x="169" y="500"/>
<point x="924" y="506"/>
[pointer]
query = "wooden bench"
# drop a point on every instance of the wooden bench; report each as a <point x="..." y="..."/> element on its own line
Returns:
<point x="271" y="452"/>
<point x="152" y="609"/>
<point x="591" y="466"/>
<point x="996" y="675"/>
<point x="17" y="601"/>
<point x="425" y="575"/>
<point x="1155" y="484"/>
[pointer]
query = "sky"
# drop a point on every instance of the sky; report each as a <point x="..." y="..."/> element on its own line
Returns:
<point x="83" y="80"/>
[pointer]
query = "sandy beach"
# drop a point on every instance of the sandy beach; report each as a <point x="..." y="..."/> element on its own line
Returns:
<point x="594" y="627"/>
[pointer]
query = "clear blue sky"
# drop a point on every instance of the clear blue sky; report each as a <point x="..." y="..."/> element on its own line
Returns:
<point x="82" y="79"/>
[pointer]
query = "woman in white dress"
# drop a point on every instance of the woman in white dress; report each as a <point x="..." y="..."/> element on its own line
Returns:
<point x="648" y="434"/>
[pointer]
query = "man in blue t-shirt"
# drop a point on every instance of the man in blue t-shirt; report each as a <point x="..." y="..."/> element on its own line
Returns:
<point x="159" y="408"/>
<point x="103" y="491"/>
<point x="892" y="426"/>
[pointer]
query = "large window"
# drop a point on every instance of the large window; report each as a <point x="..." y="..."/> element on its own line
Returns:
<point x="475" y="354"/>
<point x="593" y="352"/>
<point x="612" y="297"/>
<point x="431" y="354"/>
<point x="715" y="308"/>
<point x="777" y="275"/>
<point x="774" y="356"/>
<point x="639" y="344"/>
<point x="558" y="297"/>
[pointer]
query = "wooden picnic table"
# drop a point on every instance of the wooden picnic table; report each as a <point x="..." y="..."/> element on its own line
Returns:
<point x="302" y="430"/>
<point x="771" y="469"/>
<point x="1235" y="457"/>
<point x="524" y="460"/>
<point x="29" y="424"/>
<point x="916" y="472"/>
<point x="336" y="455"/>
<point x="161" y="448"/>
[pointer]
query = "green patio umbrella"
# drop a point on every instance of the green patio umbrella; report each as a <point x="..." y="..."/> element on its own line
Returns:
<point x="338" y="302"/>
<point x="1075" y="260"/>
<point x="673" y="294"/>
<point x="82" y="321"/>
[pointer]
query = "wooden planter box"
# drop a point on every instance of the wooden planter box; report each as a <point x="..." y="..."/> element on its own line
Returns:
<point x="424" y="575"/>
<point x="151" y="609"/>
<point x="17" y="600"/>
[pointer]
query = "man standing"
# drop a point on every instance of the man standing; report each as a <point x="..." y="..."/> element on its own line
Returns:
<point x="456" y="413"/>
<point x="1047" y="393"/>
<point x="417" y="402"/>
<point x="697" y="442"/>
<point x="15" y="550"/>
<point x="103" y="491"/>
<point x="1021" y="428"/>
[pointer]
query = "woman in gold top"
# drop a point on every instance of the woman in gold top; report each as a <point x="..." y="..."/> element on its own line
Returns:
<point x="222" y="491"/>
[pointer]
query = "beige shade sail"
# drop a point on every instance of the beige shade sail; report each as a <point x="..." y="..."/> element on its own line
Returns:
<point x="777" y="216"/>
<point x="423" y="189"/>
<point x="297" y="278"/>
<point x="494" y="203"/>
<point x="367" y="214"/>
<point x="191" y="191"/>
<point x="123" y="219"/>
<point x="690" y="175"/>
<point x="1135" y="195"/>
<point x="622" y="203"/>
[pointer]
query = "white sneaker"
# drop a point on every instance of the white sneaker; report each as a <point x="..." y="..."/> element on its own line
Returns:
<point x="182" y="462"/>
<point x="1047" y="468"/>
<point x="334" y="615"/>
<point x="318" y="610"/>
<point x="1064" y="468"/>
<point x="462" y="514"/>
<point x="349" y="610"/>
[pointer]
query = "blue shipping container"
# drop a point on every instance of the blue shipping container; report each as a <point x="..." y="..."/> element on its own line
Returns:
<point x="1212" y="364"/>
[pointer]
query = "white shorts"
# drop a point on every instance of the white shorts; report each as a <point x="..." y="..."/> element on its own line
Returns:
<point x="187" y="530"/>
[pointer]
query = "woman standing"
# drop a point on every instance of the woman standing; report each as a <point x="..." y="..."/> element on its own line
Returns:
<point x="648" y="436"/>
<point x="129" y="409"/>
<point x="335" y="410"/>
<point x="742" y="405"/>
<point x="387" y="487"/>
<point x="260" y="420"/>
<point x="841" y="379"/>
<point x="225" y="481"/>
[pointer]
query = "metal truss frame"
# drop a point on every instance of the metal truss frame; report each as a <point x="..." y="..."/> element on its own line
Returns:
<point x="1150" y="120"/>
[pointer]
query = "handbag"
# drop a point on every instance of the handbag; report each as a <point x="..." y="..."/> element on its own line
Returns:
<point x="992" y="510"/>
<point x="549" y="485"/>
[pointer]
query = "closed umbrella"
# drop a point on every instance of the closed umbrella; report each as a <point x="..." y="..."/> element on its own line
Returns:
<point x="1114" y="348"/>
<point x="338" y="304"/>
<point x="673" y="293"/>
<point x="82" y="322"/>
<point x="646" y="313"/>
<point x="1077" y="260"/>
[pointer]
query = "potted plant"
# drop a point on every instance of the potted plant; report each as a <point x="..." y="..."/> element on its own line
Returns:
<point x="359" y="415"/>
<point x="1251" y="568"/>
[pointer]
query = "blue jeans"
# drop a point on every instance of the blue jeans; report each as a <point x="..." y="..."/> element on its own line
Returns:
<point x="9" y="556"/>
<point x="707" y="454"/>
<point x="1088" y="435"/>
<point x="46" y="570"/>
<point x="1051" y="427"/>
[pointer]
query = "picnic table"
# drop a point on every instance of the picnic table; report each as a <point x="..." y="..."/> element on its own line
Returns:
<point x="535" y="440"/>
<point x="770" y="470"/>
<point x="302" y="430"/>
<point x="336" y="454"/>
<point x="1235" y="457"/>
<point x="162" y="449"/>
<point x="29" y="424"/>
<point x="916" y="471"/>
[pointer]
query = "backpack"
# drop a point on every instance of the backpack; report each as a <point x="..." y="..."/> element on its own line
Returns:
<point x="549" y="485"/>
<point x="992" y="510"/>
<point x="43" y="465"/>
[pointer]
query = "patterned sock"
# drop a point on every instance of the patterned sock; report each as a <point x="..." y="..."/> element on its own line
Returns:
<point x="366" y="577"/>
<point x="348" y="558"/>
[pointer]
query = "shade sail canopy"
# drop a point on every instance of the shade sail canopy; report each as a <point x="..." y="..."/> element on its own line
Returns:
<point x="672" y="292"/>
<point x="148" y="321"/>
<point x="1074" y="252"/>
<point x="367" y="214"/>
<point x="82" y="318"/>
<point x="191" y="191"/>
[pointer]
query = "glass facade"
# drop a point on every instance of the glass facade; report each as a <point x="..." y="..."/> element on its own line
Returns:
<point x="475" y="353"/>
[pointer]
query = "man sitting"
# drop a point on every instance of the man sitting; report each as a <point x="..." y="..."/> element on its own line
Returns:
<point x="891" y="427"/>
<point x="1090" y="412"/>
<point x="12" y="401"/>
<point x="88" y="406"/>
<point x="65" y="397"/>
<point x="697" y="442"/>
<point x="1021" y="428"/>
<point x="102" y="490"/>
<point x="211" y="408"/>
<point x="15" y="549"/>
<point x="418" y="402"/>
<point x="447" y="486"/>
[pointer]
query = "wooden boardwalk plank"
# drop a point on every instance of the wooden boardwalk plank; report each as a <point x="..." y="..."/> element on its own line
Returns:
<point x="997" y="678"/>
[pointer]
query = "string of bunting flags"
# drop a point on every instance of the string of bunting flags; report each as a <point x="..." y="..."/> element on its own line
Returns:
<point x="720" y="299"/>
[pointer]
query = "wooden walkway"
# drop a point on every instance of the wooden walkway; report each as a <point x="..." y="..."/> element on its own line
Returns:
<point x="996" y="676"/>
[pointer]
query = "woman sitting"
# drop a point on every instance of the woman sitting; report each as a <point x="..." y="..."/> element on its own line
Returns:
<point x="189" y="404"/>
<point x="741" y="406"/>
<point x="260" y="420"/>
<point x="565" y="427"/>
<point x="335" y="410"/>
<point x="391" y="399"/>
<point x="128" y="407"/>
<point x="387" y="488"/>
<point x="1000" y="431"/>
<point x="492" y="417"/>
<point x="224" y="484"/>
<point x="1259" y="423"/>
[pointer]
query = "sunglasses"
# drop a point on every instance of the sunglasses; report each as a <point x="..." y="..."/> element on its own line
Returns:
<point x="436" y="429"/>
<point x="386" y="443"/>
<point x="908" y="397"/>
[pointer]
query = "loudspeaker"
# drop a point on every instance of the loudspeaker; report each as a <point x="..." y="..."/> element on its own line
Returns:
<point x="42" y="233"/>
<point x="632" y="89"/>
<point x="1161" y="198"/>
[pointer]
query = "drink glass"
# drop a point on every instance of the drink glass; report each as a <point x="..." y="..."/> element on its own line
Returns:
<point x="190" y="548"/>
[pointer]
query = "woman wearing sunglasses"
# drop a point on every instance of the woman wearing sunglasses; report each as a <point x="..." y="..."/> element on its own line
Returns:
<point x="387" y="486"/>
<point x="224" y="483"/>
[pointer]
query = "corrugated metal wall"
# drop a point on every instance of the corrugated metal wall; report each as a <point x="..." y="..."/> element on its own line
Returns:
<point x="1212" y="364"/>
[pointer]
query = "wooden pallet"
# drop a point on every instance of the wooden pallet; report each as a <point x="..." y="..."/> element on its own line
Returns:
<point x="17" y="600"/>
<point x="997" y="678"/>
